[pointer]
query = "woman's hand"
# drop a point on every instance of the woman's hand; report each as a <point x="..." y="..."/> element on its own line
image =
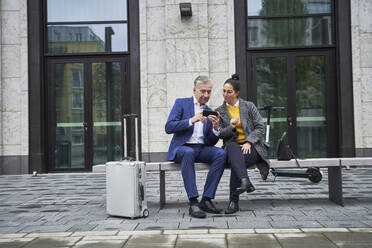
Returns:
<point x="246" y="148"/>
<point x="234" y="122"/>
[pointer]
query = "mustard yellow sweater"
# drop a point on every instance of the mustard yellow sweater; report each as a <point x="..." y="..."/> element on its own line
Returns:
<point x="234" y="113"/>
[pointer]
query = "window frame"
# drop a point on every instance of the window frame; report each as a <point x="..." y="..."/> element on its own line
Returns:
<point x="292" y="16"/>
<point x="46" y="24"/>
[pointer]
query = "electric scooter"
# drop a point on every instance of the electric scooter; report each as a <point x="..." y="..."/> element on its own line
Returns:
<point x="313" y="174"/>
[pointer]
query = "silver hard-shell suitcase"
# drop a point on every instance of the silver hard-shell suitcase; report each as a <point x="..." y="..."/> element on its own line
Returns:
<point x="126" y="183"/>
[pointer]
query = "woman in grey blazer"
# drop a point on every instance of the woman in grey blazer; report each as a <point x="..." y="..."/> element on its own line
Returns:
<point x="242" y="131"/>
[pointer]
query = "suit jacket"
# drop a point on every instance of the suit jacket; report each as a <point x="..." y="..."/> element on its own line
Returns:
<point x="178" y="125"/>
<point x="252" y="125"/>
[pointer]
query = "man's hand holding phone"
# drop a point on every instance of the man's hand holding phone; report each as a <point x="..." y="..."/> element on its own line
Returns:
<point x="214" y="117"/>
<point x="198" y="117"/>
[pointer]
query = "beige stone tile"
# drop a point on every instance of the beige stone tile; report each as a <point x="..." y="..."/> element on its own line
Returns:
<point x="192" y="55"/>
<point x="354" y="9"/>
<point x="24" y="64"/>
<point x="360" y="229"/>
<point x="98" y="233"/>
<point x="202" y="236"/>
<point x="10" y="23"/>
<point x="159" y="146"/>
<point x="10" y="150"/>
<point x="177" y="81"/>
<point x="218" y="80"/>
<point x="157" y="91"/>
<point x="274" y="230"/>
<point x="144" y="121"/>
<point x="231" y="231"/>
<point x="365" y="10"/>
<point x="189" y="231"/>
<point x="156" y="57"/>
<point x="156" y="23"/>
<point x="218" y="55"/>
<point x="320" y="230"/>
<point x="10" y="61"/>
<point x="10" y="5"/>
<point x="217" y="21"/>
<point x="366" y="50"/>
<point x="143" y="16"/>
<point x="11" y="94"/>
<point x="201" y="242"/>
<point x="156" y="125"/>
<point x="106" y="237"/>
<point x="101" y="243"/>
<point x="51" y="234"/>
<point x="23" y="27"/>
<point x="175" y="27"/>
<point x="142" y="232"/>
<point x="155" y="3"/>
<point x="12" y="235"/>
<point x="11" y="128"/>
<point x="170" y="47"/>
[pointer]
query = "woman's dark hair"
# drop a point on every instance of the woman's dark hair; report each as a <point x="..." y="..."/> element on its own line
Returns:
<point x="234" y="81"/>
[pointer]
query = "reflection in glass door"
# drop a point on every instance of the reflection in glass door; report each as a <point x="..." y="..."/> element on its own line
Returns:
<point x="310" y="106"/>
<point x="106" y="111"/>
<point x="271" y="78"/>
<point x="85" y="109"/>
<point x="69" y="111"/>
<point x="303" y="85"/>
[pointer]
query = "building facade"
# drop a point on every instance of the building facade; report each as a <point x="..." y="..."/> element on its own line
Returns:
<point x="71" y="69"/>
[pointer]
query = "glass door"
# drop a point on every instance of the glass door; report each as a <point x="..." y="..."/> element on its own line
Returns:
<point x="302" y="83"/>
<point x="85" y="108"/>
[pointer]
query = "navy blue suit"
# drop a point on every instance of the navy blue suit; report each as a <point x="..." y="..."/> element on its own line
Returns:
<point x="186" y="154"/>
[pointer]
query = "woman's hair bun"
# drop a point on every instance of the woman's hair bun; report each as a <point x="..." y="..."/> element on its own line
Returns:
<point x="235" y="76"/>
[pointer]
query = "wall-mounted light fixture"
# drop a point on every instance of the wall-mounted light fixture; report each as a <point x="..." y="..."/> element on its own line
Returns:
<point x="185" y="9"/>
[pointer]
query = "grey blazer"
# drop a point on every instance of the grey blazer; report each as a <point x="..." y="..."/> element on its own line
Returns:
<point x="253" y="127"/>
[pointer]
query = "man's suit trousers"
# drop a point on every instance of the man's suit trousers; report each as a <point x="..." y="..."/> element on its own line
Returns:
<point x="188" y="154"/>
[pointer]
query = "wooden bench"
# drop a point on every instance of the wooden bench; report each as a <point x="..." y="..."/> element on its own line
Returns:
<point x="333" y="165"/>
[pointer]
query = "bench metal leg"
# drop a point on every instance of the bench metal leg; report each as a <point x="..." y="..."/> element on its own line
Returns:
<point x="162" y="189"/>
<point x="335" y="185"/>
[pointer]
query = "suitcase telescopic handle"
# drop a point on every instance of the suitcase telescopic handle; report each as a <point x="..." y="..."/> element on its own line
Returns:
<point x="125" y="137"/>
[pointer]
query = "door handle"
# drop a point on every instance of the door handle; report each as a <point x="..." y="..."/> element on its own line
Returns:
<point x="290" y="120"/>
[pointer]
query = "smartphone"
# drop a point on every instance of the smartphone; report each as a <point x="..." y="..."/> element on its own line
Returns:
<point x="209" y="112"/>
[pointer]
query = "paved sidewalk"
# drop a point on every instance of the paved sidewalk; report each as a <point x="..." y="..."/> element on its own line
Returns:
<point x="73" y="205"/>
<point x="213" y="238"/>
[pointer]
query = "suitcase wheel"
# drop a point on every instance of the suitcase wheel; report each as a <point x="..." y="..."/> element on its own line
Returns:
<point x="145" y="213"/>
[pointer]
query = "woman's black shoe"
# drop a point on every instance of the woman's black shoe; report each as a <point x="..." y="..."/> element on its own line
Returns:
<point x="245" y="185"/>
<point x="232" y="208"/>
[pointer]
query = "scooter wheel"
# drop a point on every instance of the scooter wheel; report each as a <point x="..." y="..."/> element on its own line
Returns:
<point x="314" y="174"/>
<point x="145" y="213"/>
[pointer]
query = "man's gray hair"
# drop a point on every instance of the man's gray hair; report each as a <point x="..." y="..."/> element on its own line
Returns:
<point x="201" y="80"/>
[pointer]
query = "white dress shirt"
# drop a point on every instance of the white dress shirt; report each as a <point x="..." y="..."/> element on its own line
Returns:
<point x="197" y="135"/>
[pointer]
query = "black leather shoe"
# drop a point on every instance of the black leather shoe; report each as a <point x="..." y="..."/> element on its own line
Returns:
<point x="209" y="207"/>
<point x="195" y="211"/>
<point x="245" y="186"/>
<point x="264" y="175"/>
<point x="232" y="208"/>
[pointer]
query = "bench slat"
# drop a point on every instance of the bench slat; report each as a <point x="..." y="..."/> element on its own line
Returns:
<point x="356" y="161"/>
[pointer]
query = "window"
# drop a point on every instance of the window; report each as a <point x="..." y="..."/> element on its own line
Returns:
<point x="76" y="79"/>
<point x="77" y="100"/>
<point x="87" y="26"/>
<point x="289" y="23"/>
